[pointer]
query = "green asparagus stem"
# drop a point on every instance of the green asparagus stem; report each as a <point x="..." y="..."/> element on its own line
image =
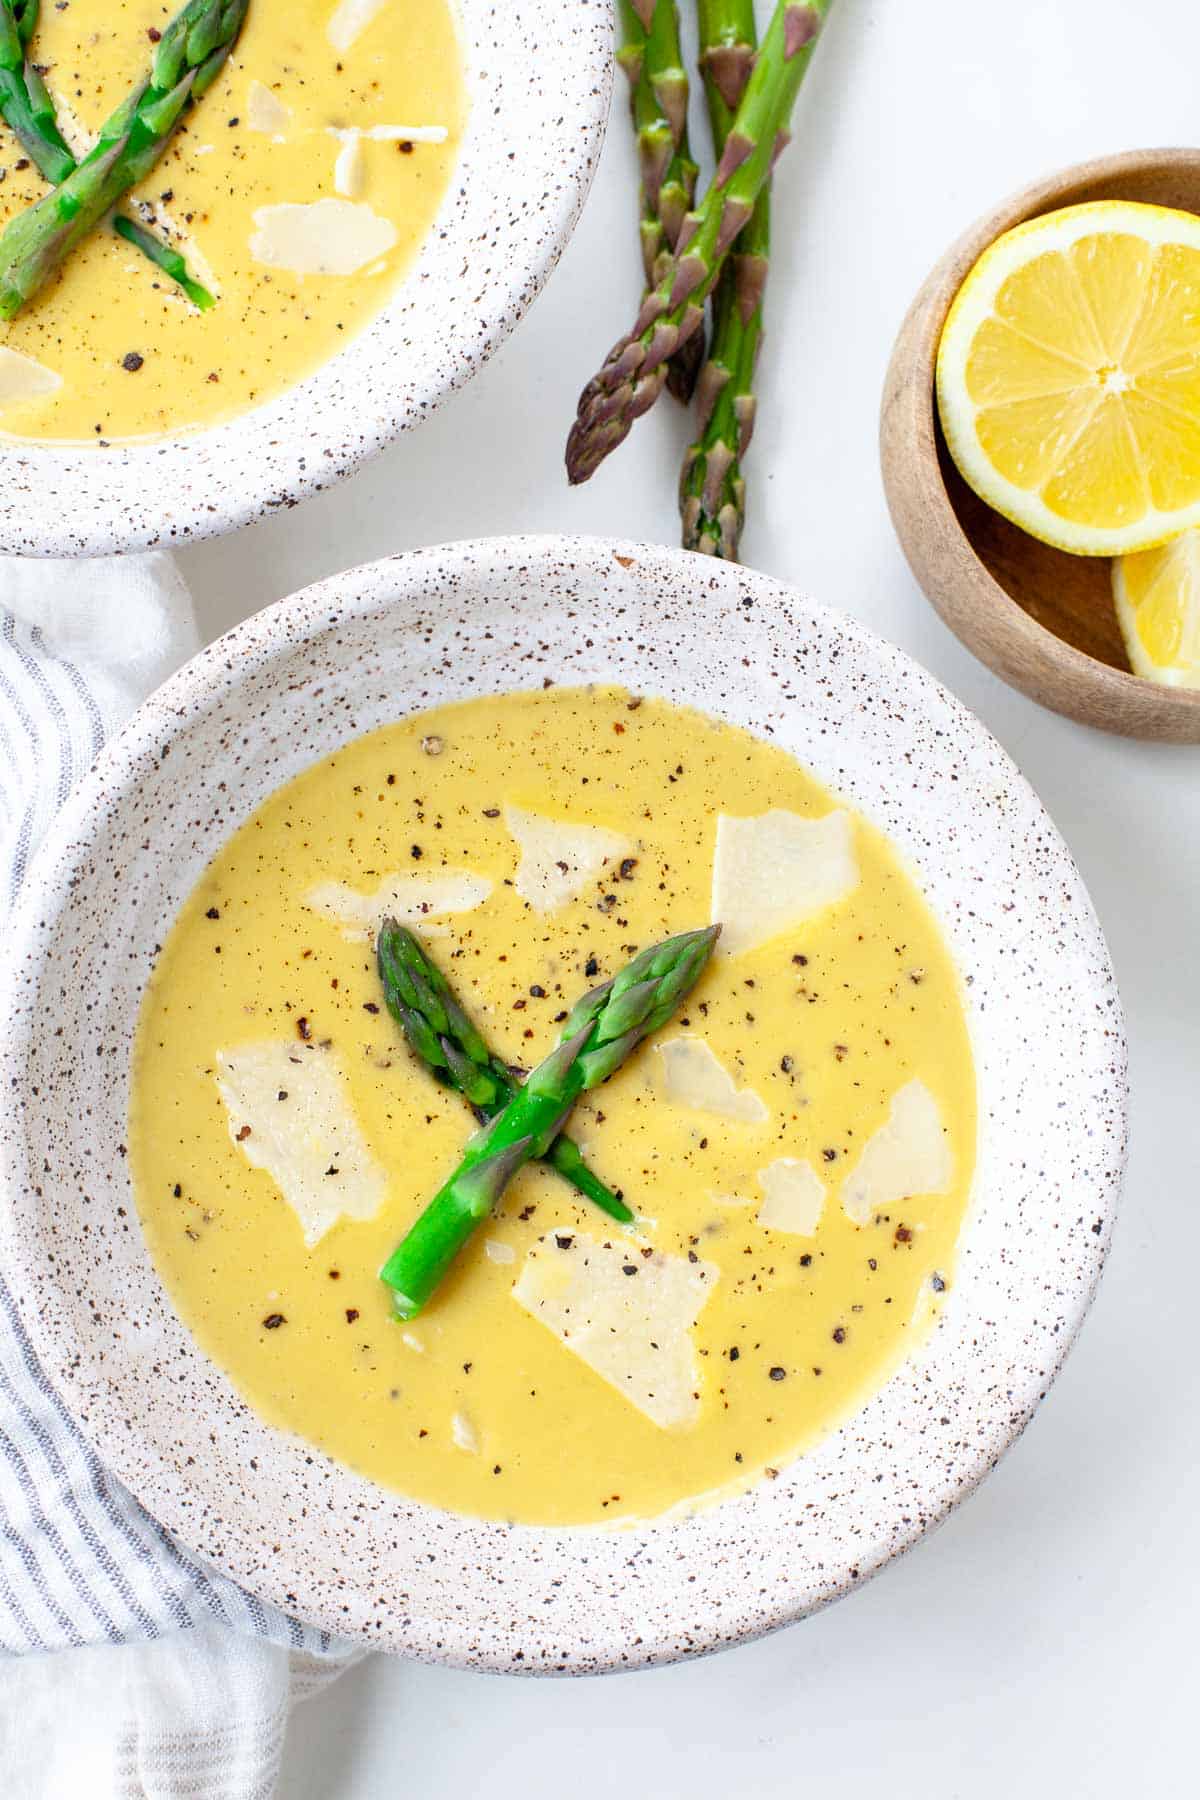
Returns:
<point x="164" y="257"/>
<point x="25" y="105"/>
<point x="658" y="84"/>
<point x="712" y="489"/>
<point x="422" y="1002"/>
<point x="603" y="1029"/>
<point x="28" y="110"/>
<point x="633" y="374"/>
<point x="187" y="60"/>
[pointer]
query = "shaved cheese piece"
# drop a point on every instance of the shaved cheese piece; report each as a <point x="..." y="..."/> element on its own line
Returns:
<point x="415" y="898"/>
<point x="266" y="112"/>
<point x="558" y="859"/>
<point x="464" y="1433"/>
<point x="413" y="1341"/>
<point x="349" y="169"/>
<point x="321" y="237"/>
<point x="908" y="1155"/>
<point x="497" y="1252"/>
<point x="775" y="871"/>
<point x="290" y="1113"/>
<point x="795" y="1196"/>
<point x="405" y="134"/>
<point x="693" y="1076"/>
<point x="350" y="20"/>
<point x="627" y="1315"/>
<point x="21" y="378"/>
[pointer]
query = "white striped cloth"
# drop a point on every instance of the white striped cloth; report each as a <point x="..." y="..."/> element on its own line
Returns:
<point x="195" y="1700"/>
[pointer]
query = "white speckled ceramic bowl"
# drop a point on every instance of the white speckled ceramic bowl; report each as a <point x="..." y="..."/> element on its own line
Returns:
<point x="539" y="79"/>
<point x="365" y="648"/>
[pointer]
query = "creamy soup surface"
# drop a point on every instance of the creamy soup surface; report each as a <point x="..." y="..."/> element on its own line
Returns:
<point x="130" y="355"/>
<point x="772" y="1139"/>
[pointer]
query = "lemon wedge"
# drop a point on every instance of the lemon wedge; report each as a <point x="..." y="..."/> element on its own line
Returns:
<point x="1158" y="607"/>
<point x="1068" y="376"/>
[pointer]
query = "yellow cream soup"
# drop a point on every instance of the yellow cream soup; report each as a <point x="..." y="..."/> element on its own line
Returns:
<point x="130" y="355"/>
<point x="744" y="1156"/>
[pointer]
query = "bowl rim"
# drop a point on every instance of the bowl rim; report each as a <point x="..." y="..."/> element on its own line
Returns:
<point x="940" y="554"/>
<point x="715" y="1618"/>
<point x="512" y="201"/>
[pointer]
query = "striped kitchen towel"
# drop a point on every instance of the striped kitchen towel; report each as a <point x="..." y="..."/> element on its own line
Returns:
<point x="195" y="1701"/>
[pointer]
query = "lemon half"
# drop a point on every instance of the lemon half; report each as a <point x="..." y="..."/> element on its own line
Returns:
<point x="1158" y="607"/>
<point x="1068" y="376"/>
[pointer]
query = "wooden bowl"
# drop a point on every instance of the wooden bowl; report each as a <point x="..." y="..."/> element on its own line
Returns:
<point x="1042" y="619"/>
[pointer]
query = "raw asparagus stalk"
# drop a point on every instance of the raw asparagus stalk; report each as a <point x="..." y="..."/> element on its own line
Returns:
<point x="604" y="1028"/>
<point x="632" y="376"/>
<point x="712" y="489"/>
<point x="651" y="57"/>
<point x="187" y="60"/>
<point x="28" y="110"/>
<point x="422" y="1002"/>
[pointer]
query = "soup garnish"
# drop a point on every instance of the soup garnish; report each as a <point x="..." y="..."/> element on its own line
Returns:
<point x="599" y="1033"/>
<point x="437" y="1030"/>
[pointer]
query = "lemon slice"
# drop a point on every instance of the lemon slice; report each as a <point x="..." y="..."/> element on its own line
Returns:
<point x="1068" y="376"/>
<point x="1158" y="607"/>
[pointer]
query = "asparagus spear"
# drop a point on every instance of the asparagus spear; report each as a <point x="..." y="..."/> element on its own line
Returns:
<point x="422" y="1002"/>
<point x="603" y="1029"/>
<point x="632" y="377"/>
<point x="712" y="490"/>
<point x="25" y="105"/>
<point x="28" y="110"/>
<point x="187" y="60"/>
<point x="658" y="95"/>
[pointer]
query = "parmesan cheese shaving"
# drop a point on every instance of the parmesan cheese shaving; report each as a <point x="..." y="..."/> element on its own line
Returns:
<point x="21" y="378"/>
<point x="558" y="859"/>
<point x="498" y="1252"/>
<point x="349" y="169"/>
<point x="773" y="872"/>
<point x="795" y="1197"/>
<point x="627" y="1315"/>
<point x="464" y="1434"/>
<point x="350" y="20"/>
<point x="266" y="112"/>
<point x="290" y="1114"/>
<point x="694" y="1076"/>
<point x="320" y="237"/>
<point x="411" y="898"/>
<point x="908" y="1155"/>
<point x="405" y="134"/>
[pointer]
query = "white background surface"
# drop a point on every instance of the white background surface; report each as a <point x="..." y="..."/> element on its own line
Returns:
<point x="1044" y="1639"/>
